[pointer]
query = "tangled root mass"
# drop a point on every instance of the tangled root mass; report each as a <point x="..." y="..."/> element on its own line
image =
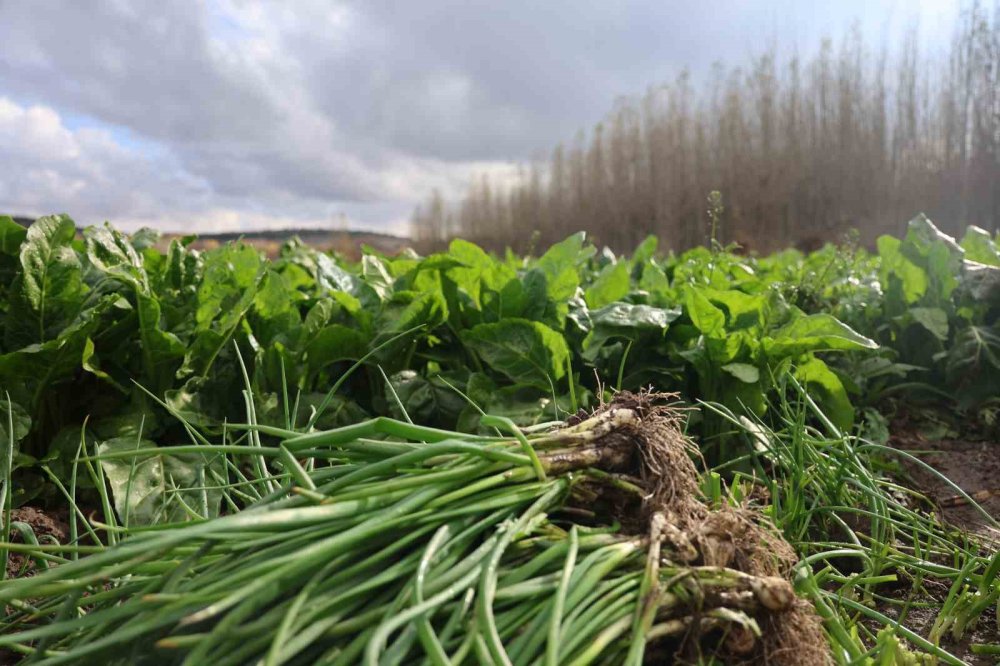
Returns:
<point x="647" y="445"/>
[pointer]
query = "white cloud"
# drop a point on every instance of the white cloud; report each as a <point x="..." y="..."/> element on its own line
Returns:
<point x="91" y="175"/>
<point x="85" y="172"/>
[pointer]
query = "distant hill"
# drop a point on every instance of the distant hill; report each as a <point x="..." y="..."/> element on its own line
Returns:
<point x="346" y="242"/>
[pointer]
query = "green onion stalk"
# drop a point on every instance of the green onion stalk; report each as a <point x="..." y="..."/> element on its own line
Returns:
<point x="388" y="543"/>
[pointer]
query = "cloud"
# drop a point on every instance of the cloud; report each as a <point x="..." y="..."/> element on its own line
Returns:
<point x="93" y="176"/>
<point x="50" y="167"/>
<point x="227" y="113"/>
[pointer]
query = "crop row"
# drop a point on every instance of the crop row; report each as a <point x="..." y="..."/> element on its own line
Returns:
<point x="109" y="331"/>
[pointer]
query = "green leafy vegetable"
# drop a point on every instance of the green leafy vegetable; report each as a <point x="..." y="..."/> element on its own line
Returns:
<point x="525" y="351"/>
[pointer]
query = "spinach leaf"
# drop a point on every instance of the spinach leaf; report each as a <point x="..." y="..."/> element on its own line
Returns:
<point x="48" y="293"/>
<point x="612" y="284"/>
<point x="816" y="332"/>
<point x="160" y="487"/>
<point x="527" y="352"/>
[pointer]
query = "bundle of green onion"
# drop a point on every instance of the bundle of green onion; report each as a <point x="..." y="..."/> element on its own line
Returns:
<point x="396" y="544"/>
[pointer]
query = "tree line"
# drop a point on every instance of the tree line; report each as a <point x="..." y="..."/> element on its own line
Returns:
<point x="803" y="149"/>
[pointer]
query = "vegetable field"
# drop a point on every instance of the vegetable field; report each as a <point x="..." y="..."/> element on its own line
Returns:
<point x="565" y="458"/>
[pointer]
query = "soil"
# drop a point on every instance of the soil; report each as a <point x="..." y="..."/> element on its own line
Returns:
<point x="974" y="466"/>
<point x="43" y="523"/>
<point x="921" y="620"/>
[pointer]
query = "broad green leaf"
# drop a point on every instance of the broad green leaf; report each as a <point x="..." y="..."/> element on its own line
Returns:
<point x="944" y="270"/>
<point x="12" y="235"/>
<point x="335" y="343"/>
<point x="403" y="268"/>
<point x="645" y="250"/>
<point x="910" y="278"/>
<point x="479" y="272"/>
<point x="817" y="332"/>
<point x="480" y="390"/>
<point x="743" y="371"/>
<point x="51" y="286"/>
<point x="981" y="284"/>
<point x="182" y="267"/>
<point x="331" y="277"/>
<point x="194" y="402"/>
<point x="543" y="297"/>
<point x="297" y="277"/>
<point x="154" y="488"/>
<point x="435" y="262"/>
<point x="162" y="351"/>
<point x="606" y="257"/>
<point x="629" y="317"/>
<point x="934" y="320"/>
<point x="654" y="280"/>
<point x="743" y="310"/>
<point x="90" y="363"/>
<point x="936" y="252"/>
<point x="972" y="366"/>
<point x="578" y="317"/>
<point x="612" y="284"/>
<point x="922" y="236"/>
<point x="113" y="255"/>
<point x="743" y="397"/>
<point x="525" y="405"/>
<point x="276" y="296"/>
<point x="232" y="277"/>
<point x="566" y="254"/>
<point x="410" y="309"/>
<point x="110" y="252"/>
<point x="828" y="392"/>
<point x="979" y="246"/>
<point x="527" y="352"/>
<point x="727" y="349"/>
<point x="560" y="267"/>
<point x="707" y="318"/>
<point x="377" y="276"/>
<point x="40" y="366"/>
<point x="317" y="317"/>
<point x="424" y="401"/>
<point x="628" y="321"/>
<point x="275" y="318"/>
<point x="145" y="238"/>
<point x="560" y="286"/>
<point x="230" y="274"/>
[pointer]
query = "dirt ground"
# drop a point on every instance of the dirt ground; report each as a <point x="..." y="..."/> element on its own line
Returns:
<point x="974" y="466"/>
<point x="42" y="524"/>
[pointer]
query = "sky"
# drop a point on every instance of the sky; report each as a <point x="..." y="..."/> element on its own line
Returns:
<point x="222" y="115"/>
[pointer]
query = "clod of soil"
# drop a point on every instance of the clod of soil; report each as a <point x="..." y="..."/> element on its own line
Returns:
<point x="43" y="524"/>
